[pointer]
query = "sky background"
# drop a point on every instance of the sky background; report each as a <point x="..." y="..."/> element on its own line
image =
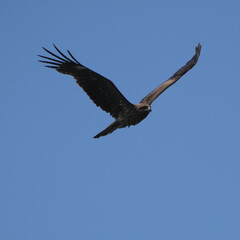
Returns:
<point x="176" y="175"/>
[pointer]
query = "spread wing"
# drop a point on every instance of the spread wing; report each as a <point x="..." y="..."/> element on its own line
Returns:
<point x="176" y="76"/>
<point x="101" y="90"/>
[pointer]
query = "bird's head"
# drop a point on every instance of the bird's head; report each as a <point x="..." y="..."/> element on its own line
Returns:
<point x="143" y="107"/>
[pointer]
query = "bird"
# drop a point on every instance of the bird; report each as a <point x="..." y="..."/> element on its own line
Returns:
<point x="105" y="94"/>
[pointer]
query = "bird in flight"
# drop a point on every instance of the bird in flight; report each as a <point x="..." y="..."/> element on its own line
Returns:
<point x="105" y="94"/>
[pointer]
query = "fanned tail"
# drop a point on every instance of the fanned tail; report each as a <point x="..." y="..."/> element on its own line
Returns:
<point x="112" y="127"/>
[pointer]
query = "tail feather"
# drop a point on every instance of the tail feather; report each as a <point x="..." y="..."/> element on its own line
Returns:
<point x="112" y="127"/>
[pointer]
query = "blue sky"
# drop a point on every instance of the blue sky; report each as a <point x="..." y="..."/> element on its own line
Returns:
<point x="173" y="176"/>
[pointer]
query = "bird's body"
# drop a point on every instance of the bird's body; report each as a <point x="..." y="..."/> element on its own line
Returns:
<point x="106" y="95"/>
<point x="126" y="119"/>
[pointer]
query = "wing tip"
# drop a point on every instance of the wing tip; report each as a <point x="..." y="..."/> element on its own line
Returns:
<point x="198" y="49"/>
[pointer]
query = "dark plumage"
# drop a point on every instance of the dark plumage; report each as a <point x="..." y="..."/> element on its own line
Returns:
<point x="105" y="94"/>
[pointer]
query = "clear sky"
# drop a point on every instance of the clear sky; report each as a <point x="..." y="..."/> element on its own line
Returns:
<point x="176" y="175"/>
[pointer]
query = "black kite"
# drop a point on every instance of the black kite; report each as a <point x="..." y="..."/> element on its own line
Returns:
<point x="106" y="95"/>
